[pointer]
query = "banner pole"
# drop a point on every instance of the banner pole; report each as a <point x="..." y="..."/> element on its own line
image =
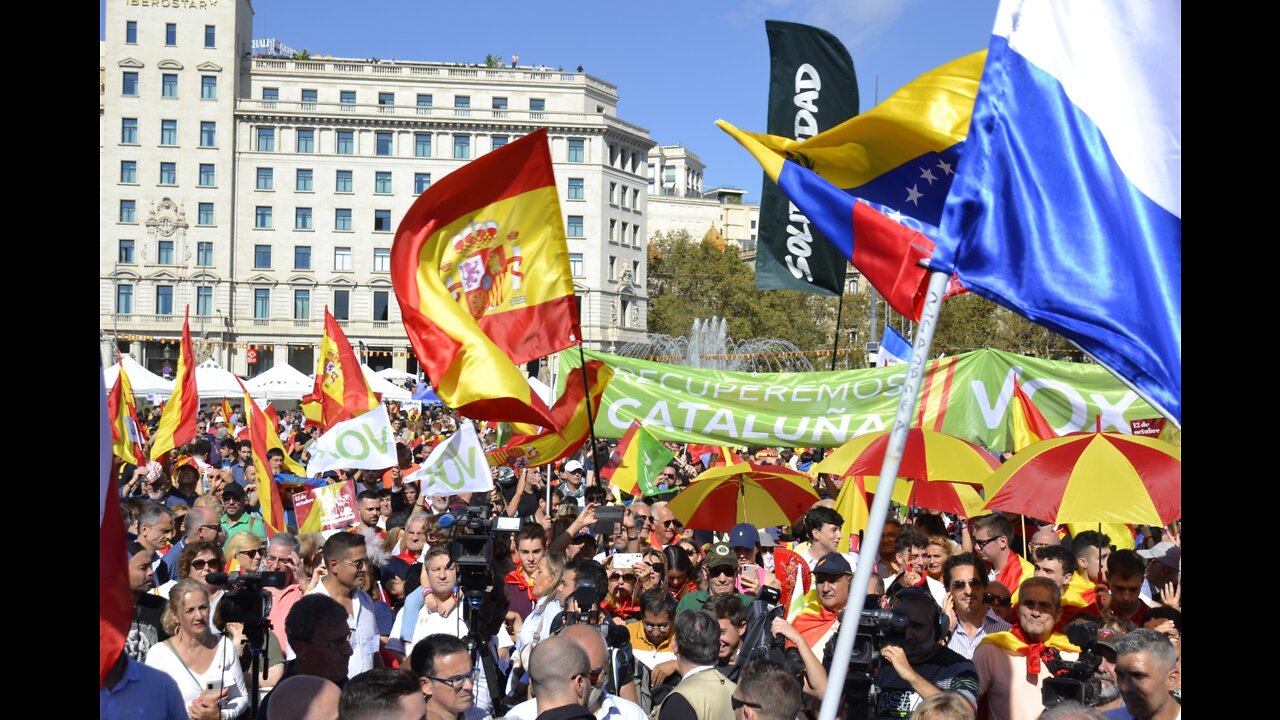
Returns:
<point x="586" y="386"/>
<point x="852" y="615"/>
<point x="835" y="345"/>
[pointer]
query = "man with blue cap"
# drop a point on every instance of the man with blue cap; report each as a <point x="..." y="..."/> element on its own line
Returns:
<point x="773" y="565"/>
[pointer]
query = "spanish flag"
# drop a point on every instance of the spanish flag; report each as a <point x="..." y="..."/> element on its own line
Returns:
<point x="1029" y="426"/>
<point x="261" y="434"/>
<point x="126" y="432"/>
<point x="480" y="266"/>
<point x="639" y="459"/>
<point x="852" y="505"/>
<point x="273" y="438"/>
<point x="570" y="413"/>
<point x="341" y="392"/>
<point x="875" y="185"/>
<point x="178" y="419"/>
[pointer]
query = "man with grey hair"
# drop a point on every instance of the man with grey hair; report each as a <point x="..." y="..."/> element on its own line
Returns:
<point x="666" y="528"/>
<point x="703" y="693"/>
<point x="560" y="679"/>
<point x="413" y="540"/>
<point x="1072" y="710"/>
<point x="283" y="557"/>
<point x="155" y="529"/>
<point x="1147" y="674"/>
<point x="202" y="523"/>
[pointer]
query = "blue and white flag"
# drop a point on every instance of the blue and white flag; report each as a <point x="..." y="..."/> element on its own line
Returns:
<point x="1067" y="206"/>
<point x="894" y="349"/>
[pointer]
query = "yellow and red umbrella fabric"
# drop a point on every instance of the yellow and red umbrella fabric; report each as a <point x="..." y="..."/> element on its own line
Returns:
<point x="949" y="497"/>
<point x="763" y="495"/>
<point x="929" y="456"/>
<point x="1092" y="477"/>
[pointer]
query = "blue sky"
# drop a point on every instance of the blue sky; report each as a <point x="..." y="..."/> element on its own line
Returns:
<point x="678" y="65"/>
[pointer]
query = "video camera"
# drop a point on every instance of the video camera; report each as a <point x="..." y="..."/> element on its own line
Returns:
<point x="1075" y="680"/>
<point x="472" y="547"/>
<point x="759" y="641"/>
<point x="245" y="600"/>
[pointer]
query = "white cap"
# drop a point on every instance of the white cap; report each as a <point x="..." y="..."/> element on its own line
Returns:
<point x="572" y="465"/>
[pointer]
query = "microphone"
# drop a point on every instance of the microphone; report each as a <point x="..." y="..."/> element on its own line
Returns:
<point x="219" y="578"/>
<point x="447" y="521"/>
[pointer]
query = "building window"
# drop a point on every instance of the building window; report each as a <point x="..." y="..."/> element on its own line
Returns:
<point x="461" y="147"/>
<point x="499" y="141"/>
<point x="302" y="183"/>
<point x="613" y="267"/>
<point x="577" y="152"/>
<point x="128" y="211"/>
<point x="130" y="32"/>
<point x="462" y="105"/>
<point x="343" y="182"/>
<point x="170" y="34"/>
<point x="622" y="237"/>
<point x="125" y="256"/>
<point x="422" y="144"/>
<point x="210" y="35"/>
<point x="382" y="259"/>
<point x="168" y="173"/>
<point x="261" y="303"/>
<point x="164" y="299"/>
<point x="383" y="143"/>
<point x="387" y="101"/>
<point x="262" y="217"/>
<point x="129" y="172"/>
<point x="421" y="181"/>
<point x="302" y="257"/>
<point x="262" y="257"/>
<point x="575" y="264"/>
<point x="348" y="99"/>
<point x="204" y="254"/>
<point x="342" y="219"/>
<point x="622" y="197"/>
<point x="169" y="85"/>
<point x="346" y="142"/>
<point x="424" y="104"/>
<point x="270" y="96"/>
<point x="342" y="258"/>
<point x="208" y="134"/>
<point x="753" y="224"/>
<point x="382" y="221"/>
<point x="382" y="183"/>
<point x="128" y="131"/>
<point x="266" y="179"/>
<point x="266" y="139"/>
<point x="500" y="107"/>
<point x="635" y="198"/>
<point x="341" y="304"/>
<point x="124" y="299"/>
<point x="302" y="218"/>
<point x="129" y="83"/>
<point x="635" y="271"/>
<point x="207" y="175"/>
<point x="301" y="304"/>
<point x="381" y="305"/>
<point x="306" y="141"/>
<point x="168" y="132"/>
<point x="575" y="189"/>
<point x="204" y="301"/>
<point x="613" y="193"/>
<point x="208" y="87"/>
<point x="309" y="97"/>
<point x="536" y="107"/>
<point x="575" y="226"/>
<point x="635" y="236"/>
<point x="613" y="230"/>
<point x="650" y="176"/>
<point x="204" y="216"/>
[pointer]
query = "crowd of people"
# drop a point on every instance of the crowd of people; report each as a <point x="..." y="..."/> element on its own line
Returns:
<point x="605" y="606"/>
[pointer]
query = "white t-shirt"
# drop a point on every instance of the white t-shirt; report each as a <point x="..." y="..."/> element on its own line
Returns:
<point x="936" y="589"/>
<point x="611" y="708"/>
<point x="225" y="670"/>
<point x="365" y="640"/>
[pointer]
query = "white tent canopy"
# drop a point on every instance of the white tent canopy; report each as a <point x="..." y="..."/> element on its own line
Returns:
<point x="393" y="375"/>
<point x="388" y="391"/>
<point x="281" y="382"/>
<point x="214" y="382"/>
<point x="142" y="380"/>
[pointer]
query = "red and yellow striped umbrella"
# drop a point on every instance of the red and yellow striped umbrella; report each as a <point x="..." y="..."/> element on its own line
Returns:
<point x="929" y="456"/>
<point x="955" y="498"/>
<point x="763" y="495"/>
<point x="1092" y="478"/>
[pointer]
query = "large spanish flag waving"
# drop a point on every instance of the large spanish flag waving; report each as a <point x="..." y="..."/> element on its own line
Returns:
<point x="261" y="433"/>
<point x="341" y="392"/>
<point x="570" y="413"/>
<point x="480" y="267"/>
<point x="178" y="419"/>
<point x="126" y="432"/>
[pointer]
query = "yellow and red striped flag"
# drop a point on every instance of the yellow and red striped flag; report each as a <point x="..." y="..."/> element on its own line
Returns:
<point x="226" y="411"/>
<point x="126" y="431"/>
<point x="852" y="505"/>
<point x="178" y="419"/>
<point x="341" y="391"/>
<point x="480" y="266"/>
<point x="261" y="435"/>
<point x="273" y="438"/>
<point x="1029" y="426"/>
<point x="569" y="412"/>
<point x="636" y="463"/>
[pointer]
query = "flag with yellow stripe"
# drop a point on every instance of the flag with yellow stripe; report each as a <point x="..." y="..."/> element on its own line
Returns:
<point x="569" y="412"/>
<point x="261" y="432"/>
<point x="341" y="391"/>
<point x="178" y="418"/>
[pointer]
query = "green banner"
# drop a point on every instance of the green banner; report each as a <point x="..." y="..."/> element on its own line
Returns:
<point x="966" y="395"/>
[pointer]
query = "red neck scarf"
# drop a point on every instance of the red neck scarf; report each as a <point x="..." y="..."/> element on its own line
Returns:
<point x="1016" y="642"/>
<point x="516" y="577"/>
<point x="625" y="611"/>
<point x="1012" y="576"/>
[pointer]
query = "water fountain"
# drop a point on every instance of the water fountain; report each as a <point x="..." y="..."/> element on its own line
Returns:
<point x="709" y="346"/>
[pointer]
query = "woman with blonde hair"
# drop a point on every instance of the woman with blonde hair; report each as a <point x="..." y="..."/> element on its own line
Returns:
<point x="944" y="706"/>
<point x="203" y="664"/>
<point x="935" y="555"/>
<point x="651" y="571"/>
<point x="245" y="550"/>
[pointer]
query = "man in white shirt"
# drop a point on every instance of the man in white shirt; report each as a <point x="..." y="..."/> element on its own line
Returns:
<point x="911" y="550"/>
<point x="971" y="619"/>
<point x="347" y="560"/>
<point x="822" y="528"/>
<point x="600" y="703"/>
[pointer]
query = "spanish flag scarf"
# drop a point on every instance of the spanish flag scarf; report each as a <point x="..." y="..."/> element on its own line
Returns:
<point x="1015" y="642"/>
<point x="517" y="578"/>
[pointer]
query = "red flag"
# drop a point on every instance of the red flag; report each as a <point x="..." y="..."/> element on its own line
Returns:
<point x="115" y="603"/>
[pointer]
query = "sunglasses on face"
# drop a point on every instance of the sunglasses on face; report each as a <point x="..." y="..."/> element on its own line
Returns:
<point x="739" y="704"/>
<point x="962" y="584"/>
<point x="623" y="577"/>
<point x="982" y="544"/>
<point x="999" y="600"/>
<point x="202" y="564"/>
<point x="722" y="571"/>
<point x="669" y="523"/>
<point x="255" y="552"/>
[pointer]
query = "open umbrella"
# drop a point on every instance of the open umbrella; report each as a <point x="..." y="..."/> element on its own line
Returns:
<point x="1092" y="478"/>
<point x="929" y="456"/>
<point x="955" y="498"/>
<point x="763" y="495"/>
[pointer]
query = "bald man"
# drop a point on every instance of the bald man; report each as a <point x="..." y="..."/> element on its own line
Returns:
<point x="1044" y="537"/>
<point x="600" y="702"/>
<point x="560" y="679"/>
<point x="304" y="697"/>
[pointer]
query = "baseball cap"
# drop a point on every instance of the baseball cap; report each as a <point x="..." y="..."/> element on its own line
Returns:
<point x="219" y="419"/>
<point x="833" y="563"/>
<point x="767" y="540"/>
<point x="234" y="490"/>
<point x="1165" y="552"/>
<point x="744" y="535"/>
<point x="572" y="465"/>
<point x="720" y="554"/>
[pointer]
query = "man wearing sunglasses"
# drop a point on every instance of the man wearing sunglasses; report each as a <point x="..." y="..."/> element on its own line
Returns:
<point x="991" y="535"/>
<point x="601" y="704"/>
<point x="202" y="523"/>
<point x="767" y="691"/>
<point x="971" y="620"/>
<point x="347" y="560"/>
<point x="722" y="575"/>
<point x="666" y="526"/>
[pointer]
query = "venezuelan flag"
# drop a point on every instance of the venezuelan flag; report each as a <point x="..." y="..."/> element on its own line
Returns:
<point x="570" y="413"/>
<point x="178" y="419"/>
<point x="480" y="267"/>
<point x="876" y="184"/>
<point x="341" y="391"/>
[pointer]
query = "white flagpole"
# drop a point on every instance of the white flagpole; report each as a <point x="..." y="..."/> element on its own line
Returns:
<point x="884" y="493"/>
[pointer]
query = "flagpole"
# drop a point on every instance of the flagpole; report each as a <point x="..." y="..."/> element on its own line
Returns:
<point x="586" y="386"/>
<point x="880" y="508"/>
<point x="835" y="345"/>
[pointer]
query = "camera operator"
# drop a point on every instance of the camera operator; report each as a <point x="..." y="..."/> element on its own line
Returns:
<point x="920" y="667"/>
<point x="581" y="594"/>
<point x="1102" y="644"/>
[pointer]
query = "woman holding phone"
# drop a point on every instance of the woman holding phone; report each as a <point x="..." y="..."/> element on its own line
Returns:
<point x="204" y="665"/>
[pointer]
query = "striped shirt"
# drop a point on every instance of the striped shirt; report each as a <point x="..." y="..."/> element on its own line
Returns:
<point x="960" y="641"/>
